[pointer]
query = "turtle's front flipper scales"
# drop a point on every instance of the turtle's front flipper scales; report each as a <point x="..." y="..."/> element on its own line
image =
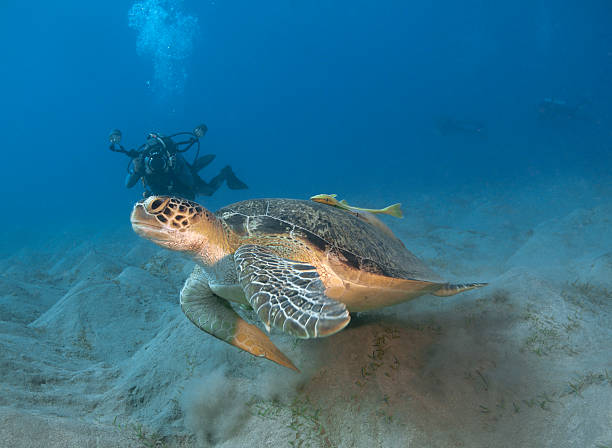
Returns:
<point x="287" y="294"/>
<point x="215" y="316"/>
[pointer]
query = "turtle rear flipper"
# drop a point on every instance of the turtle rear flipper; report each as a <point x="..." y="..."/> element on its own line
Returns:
<point x="288" y="295"/>
<point x="216" y="317"/>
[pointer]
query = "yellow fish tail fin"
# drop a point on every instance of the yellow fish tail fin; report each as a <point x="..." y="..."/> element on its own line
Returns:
<point x="394" y="210"/>
<point x="343" y="202"/>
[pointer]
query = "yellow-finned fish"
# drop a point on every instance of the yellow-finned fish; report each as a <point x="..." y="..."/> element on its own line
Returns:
<point x="330" y="199"/>
<point x="364" y="214"/>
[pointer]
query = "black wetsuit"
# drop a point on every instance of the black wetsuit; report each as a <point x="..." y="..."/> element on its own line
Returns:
<point x="164" y="171"/>
<point x="174" y="178"/>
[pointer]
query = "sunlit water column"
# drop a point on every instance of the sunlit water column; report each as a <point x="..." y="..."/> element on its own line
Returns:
<point x="166" y="35"/>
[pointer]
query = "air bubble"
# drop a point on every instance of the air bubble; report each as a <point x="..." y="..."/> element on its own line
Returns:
<point x="166" y="35"/>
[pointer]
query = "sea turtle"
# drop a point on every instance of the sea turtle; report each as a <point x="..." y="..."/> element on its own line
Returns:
<point x="301" y="265"/>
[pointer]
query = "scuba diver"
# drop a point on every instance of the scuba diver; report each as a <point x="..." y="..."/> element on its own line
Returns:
<point x="160" y="166"/>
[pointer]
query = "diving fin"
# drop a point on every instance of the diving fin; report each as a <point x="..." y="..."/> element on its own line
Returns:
<point x="233" y="182"/>
<point x="201" y="162"/>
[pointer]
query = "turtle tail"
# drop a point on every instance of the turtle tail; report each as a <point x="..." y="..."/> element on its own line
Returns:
<point x="449" y="289"/>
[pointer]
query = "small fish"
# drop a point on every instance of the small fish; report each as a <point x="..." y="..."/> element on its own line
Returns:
<point x="364" y="214"/>
<point x="330" y="199"/>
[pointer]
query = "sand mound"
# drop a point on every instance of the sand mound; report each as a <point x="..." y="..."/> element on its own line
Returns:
<point x="95" y="351"/>
<point x="20" y="429"/>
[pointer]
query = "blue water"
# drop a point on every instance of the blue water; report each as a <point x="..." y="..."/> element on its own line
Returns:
<point x="436" y="104"/>
<point x="299" y="97"/>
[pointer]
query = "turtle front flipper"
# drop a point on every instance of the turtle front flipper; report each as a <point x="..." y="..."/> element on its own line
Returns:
<point x="287" y="294"/>
<point x="216" y="317"/>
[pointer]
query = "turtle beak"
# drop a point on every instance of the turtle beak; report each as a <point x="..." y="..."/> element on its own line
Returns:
<point x="139" y="215"/>
<point x="146" y="225"/>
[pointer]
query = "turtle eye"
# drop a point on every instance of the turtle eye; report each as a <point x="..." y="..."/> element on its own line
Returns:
<point x="156" y="204"/>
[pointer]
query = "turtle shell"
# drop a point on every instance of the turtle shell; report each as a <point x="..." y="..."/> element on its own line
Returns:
<point x="330" y="229"/>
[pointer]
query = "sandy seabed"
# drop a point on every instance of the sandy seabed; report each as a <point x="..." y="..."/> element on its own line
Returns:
<point x="95" y="352"/>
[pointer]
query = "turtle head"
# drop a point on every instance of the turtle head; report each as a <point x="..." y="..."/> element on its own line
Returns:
<point x="181" y="225"/>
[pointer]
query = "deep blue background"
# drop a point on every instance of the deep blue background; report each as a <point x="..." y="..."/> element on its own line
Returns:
<point x="301" y="98"/>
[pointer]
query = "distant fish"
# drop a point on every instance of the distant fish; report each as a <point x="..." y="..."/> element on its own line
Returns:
<point x="330" y="199"/>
